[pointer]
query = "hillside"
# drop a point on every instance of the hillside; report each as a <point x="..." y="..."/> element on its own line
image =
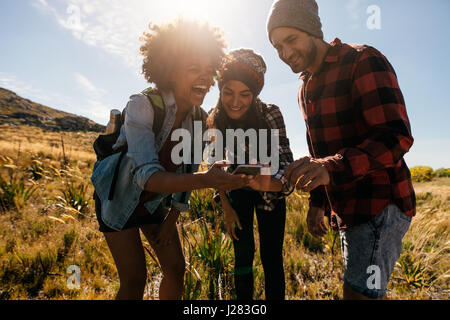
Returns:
<point x="17" y="110"/>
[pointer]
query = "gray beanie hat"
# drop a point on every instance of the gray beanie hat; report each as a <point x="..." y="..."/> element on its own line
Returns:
<point x="299" y="14"/>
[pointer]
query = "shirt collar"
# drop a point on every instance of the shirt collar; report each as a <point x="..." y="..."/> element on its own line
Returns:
<point x="332" y="56"/>
<point x="168" y="98"/>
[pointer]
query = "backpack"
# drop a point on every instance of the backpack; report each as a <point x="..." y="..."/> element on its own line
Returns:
<point x="103" y="145"/>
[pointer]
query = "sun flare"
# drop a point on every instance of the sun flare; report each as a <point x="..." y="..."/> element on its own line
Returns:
<point x="193" y="9"/>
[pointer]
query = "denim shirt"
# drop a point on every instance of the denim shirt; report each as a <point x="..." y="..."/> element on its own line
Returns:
<point x="139" y="163"/>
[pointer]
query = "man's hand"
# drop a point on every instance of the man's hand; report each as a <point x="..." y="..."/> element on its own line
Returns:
<point x="312" y="172"/>
<point x="316" y="222"/>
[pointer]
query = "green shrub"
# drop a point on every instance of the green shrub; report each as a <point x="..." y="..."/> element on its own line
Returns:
<point x="201" y="205"/>
<point x="214" y="251"/>
<point x="413" y="272"/>
<point x="76" y="197"/>
<point x="13" y="192"/>
<point x="442" y="172"/>
<point x="36" y="170"/>
<point x="69" y="238"/>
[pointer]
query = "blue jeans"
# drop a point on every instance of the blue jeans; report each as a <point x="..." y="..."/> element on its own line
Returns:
<point x="370" y="251"/>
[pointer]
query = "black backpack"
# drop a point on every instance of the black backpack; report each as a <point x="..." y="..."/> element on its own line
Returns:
<point x="103" y="145"/>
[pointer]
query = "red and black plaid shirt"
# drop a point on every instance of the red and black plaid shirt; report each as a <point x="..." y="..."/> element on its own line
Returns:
<point x="357" y="125"/>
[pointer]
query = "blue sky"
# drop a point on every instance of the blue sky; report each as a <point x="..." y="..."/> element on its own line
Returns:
<point x="81" y="56"/>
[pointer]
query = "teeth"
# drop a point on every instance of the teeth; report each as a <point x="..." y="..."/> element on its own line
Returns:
<point x="200" y="87"/>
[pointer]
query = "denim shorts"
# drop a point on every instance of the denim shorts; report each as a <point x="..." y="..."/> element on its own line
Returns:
<point x="370" y="251"/>
<point x="133" y="222"/>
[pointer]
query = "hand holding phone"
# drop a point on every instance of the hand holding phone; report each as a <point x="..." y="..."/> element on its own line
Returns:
<point x="248" y="169"/>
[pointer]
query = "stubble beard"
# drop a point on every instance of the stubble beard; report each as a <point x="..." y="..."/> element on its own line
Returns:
<point x="308" y="58"/>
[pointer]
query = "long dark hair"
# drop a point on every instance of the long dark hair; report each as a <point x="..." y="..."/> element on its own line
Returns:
<point x="253" y="118"/>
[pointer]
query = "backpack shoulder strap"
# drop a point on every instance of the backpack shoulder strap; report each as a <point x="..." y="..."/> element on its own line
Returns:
<point x="159" y="108"/>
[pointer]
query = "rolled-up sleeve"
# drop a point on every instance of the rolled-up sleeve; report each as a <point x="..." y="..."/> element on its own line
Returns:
<point x="141" y="139"/>
<point x="275" y="117"/>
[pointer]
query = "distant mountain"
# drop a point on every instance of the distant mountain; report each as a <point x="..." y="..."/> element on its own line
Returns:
<point x="17" y="110"/>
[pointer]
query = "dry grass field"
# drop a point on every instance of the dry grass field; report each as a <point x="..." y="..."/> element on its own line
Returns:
<point x="47" y="223"/>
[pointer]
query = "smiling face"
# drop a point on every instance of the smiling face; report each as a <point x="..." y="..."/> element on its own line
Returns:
<point x="192" y="80"/>
<point x="236" y="99"/>
<point x="295" y="48"/>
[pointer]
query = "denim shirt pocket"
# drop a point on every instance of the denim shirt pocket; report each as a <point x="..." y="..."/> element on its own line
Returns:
<point x="115" y="212"/>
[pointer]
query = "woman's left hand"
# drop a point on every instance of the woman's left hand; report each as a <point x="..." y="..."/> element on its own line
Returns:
<point x="262" y="182"/>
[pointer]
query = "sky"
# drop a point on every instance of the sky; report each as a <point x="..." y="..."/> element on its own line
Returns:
<point x="82" y="56"/>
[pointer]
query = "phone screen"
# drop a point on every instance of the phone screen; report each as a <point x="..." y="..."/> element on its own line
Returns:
<point x="251" y="170"/>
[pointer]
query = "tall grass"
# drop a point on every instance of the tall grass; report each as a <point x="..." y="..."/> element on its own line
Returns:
<point x="76" y="196"/>
<point x="13" y="192"/>
<point x="38" y="245"/>
<point x="425" y="260"/>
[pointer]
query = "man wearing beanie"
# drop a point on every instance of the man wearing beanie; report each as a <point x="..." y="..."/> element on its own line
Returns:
<point x="357" y="133"/>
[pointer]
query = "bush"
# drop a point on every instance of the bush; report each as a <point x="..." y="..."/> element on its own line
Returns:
<point x="201" y="205"/>
<point x="421" y="173"/>
<point x="76" y="196"/>
<point x="36" y="170"/>
<point x="442" y="172"/>
<point x="214" y="251"/>
<point x="13" y="192"/>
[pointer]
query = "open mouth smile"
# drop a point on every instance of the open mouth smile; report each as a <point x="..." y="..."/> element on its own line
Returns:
<point x="235" y="108"/>
<point x="200" y="90"/>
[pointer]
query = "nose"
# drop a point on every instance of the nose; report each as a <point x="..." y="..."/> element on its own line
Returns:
<point x="235" y="102"/>
<point x="287" y="53"/>
<point x="207" y="77"/>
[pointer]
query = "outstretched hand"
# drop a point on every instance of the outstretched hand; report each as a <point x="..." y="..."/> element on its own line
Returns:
<point x="262" y="181"/>
<point x="222" y="180"/>
<point x="307" y="173"/>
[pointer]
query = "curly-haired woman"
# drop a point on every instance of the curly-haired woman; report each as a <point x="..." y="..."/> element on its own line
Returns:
<point x="181" y="59"/>
<point x="241" y="79"/>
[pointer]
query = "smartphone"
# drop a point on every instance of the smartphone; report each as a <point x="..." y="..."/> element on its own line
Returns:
<point x="248" y="169"/>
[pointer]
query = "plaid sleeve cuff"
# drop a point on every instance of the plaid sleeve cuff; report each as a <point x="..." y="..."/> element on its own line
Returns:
<point x="336" y="168"/>
<point x="286" y="188"/>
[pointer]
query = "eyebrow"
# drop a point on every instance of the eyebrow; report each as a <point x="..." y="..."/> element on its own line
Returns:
<point x="289" y="37"/>
<point x="243" y="91"/>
